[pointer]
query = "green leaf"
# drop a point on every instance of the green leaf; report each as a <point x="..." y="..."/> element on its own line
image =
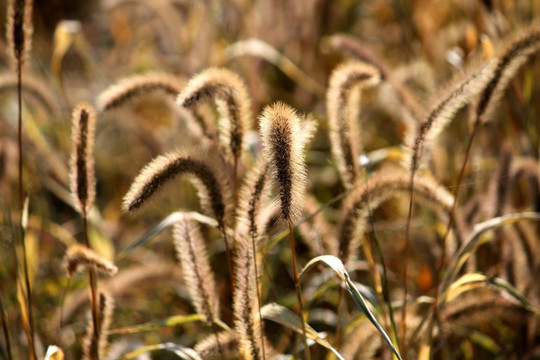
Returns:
<point x="287" y="318"/>
<point x="335" y="264"/>
<point x="182" y="352"/>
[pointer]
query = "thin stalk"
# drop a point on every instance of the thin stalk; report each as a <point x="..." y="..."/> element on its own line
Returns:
<point x="258" y="294"/>
<point x="385" y="290"/>
<point x="229" y="255"/>
<point x="298" y="292"/>
<point x="93" y="281"/>
<point x="21" y="206"/>
<point x="451" y="219"/>
<point x="338" y="324"/>
<point x="405" y="266"/>
<point x="5" y="329"/>
<point x="61" y="322"/>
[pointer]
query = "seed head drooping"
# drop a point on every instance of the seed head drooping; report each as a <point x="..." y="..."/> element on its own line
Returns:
<point x="516" y="53"/>
<point x="283" y="147"/>
<point x="343" y="102"/>
<point x="232" y="99"/>
<point x="83" y="182"/>
<point x="166" y="167"/>
<point x="19" y="30"/>
<point x="132" y="87"/>
<point x="78" y="256"/>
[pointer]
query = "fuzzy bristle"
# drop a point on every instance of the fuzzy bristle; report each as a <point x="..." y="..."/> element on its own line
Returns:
<point x="79" y="255"/>
<point x="83" y="181"/>
<point x="516" y="54"/>
<point x="198" y="275"/>
<point x="283" y="147"/>
<point x="165" y="168"/>
<point x="343" y="102"/>
<point x="132" y="87"/>
<point x="248" y="325"/>
<point x="19" y="30"/>
<point x="231" y="97"/>
<point x="94" y="347"/>
<point x="461" y="93"/>
<point x="377" y="190"/>
<point x="209" y="349"/>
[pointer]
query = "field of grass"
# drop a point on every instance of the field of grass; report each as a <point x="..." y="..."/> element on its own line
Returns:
<point x="279" y="179"/>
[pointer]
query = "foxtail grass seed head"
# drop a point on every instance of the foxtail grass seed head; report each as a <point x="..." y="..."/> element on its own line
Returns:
<point x="516" y="54"/>
<point x="198" y="275"/>
<point x="209" y="347"/>
<point x="283" y="147"/>
<point x="379" y="189"/>
<point x="19" y="30"/>
<point x="78" y="256"/>
<point x="133" y="87"/>
<point x="343" y="102"/>
<point x="82" y="178"/>
<point x="248" y="325"/>
<point x="460" y="93"/>
<point x="94" y="347"/>
<point x="165" y="168"/>
<point x="253" y="194"/>
<point x="229" y="92"/>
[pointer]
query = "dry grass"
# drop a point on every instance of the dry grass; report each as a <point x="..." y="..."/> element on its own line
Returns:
<point x="397" y="143"/>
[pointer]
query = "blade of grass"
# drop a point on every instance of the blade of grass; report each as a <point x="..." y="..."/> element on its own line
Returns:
<point x="182" y="352"/>
<point x="335" y="264"/>
<point x="159" y="324"/>
<point x="287" y="318"/>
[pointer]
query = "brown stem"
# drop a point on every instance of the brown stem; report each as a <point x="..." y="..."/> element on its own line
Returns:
<point x="21" y="204"/>
<point x="298" y="292"/>
<point x="451" y="219"/>
<point x="405" y="266"/>
<point x="229" y="255"/>
<point x="93" y="284"/>
<point x="5" y="329"/>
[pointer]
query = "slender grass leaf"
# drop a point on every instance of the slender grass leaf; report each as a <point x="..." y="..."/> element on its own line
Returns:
<point x="475" y="280"/>
<point x="337" y="265"/>
<point x="164" y="224"/>
<point x="182" y="352"/>
<point x="474" y="240"/>
<point x="154" y="325"/>
<point x="287" y="318"/>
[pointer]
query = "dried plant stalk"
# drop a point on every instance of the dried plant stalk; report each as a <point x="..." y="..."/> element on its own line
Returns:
<point x="343" y="102"/>
<point x="231" y="96"/>
<point x="82" y="178"/>
<point x="95" y="345"/>
<point x="132" y="87"/>
<point x="78" y="256"/>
